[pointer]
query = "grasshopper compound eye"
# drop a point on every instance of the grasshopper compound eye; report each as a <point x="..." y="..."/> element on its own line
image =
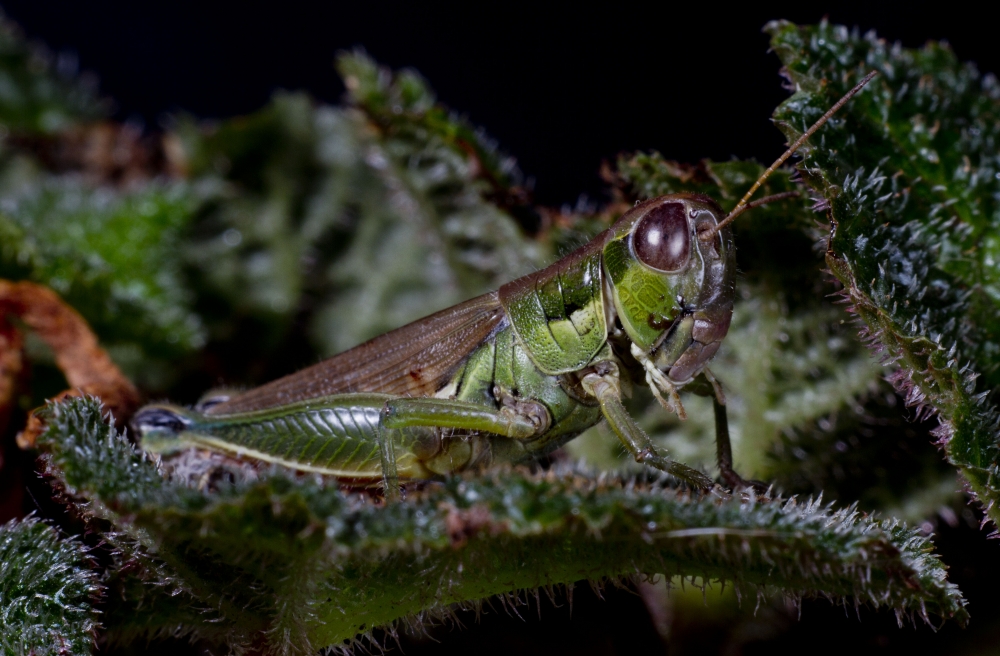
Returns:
<point x="662" y="239"/>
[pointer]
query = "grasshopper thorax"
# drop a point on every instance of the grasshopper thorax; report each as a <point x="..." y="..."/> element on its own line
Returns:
<point x="664" y="278"/>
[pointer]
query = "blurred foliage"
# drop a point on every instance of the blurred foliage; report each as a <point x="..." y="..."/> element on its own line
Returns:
<point x="240" y="250"/>
<point x="348" y="222"/>
<point x="299" y="221"/>
<point x="119" y="272"/>
<point x="41" y="93"/>
<point x="47" y="592"/>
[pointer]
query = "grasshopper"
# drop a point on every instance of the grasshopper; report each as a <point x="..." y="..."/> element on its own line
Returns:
<point x="510" y="375"/>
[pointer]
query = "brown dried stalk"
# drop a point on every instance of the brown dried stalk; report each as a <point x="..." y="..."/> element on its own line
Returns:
<point x="87" y="367"/>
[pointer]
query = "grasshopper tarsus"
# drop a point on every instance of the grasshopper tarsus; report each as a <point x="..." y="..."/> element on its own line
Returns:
<point x="735" y="482"/>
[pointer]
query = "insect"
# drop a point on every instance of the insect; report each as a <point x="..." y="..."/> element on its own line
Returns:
<point x="512" y="374"/>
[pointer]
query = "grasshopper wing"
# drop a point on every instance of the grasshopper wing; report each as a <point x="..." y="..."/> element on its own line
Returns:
<point x="415" y="360"/>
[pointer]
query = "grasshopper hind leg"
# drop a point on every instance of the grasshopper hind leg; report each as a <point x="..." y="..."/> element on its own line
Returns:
<point x="517" y="419"/>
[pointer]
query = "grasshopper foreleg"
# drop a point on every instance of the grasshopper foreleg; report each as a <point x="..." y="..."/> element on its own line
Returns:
<point x="723" y="446"/>
<point x="660" y="384"/>
<point x="606" y="388"/>
<point x="724" y="450"/>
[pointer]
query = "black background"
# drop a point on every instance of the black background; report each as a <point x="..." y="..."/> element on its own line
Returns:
<point x="559" y="90"/>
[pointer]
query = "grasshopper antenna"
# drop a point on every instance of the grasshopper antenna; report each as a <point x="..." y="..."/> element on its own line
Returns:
<point x="744" y="205"/>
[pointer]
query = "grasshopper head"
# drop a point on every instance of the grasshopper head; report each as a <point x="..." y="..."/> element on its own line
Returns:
<point x="672" y="267"/>
<point x="160" y="427"/>
<point x="662" y="272"/>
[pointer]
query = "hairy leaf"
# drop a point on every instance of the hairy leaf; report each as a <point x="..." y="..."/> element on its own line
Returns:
<point x="910" y="168"/>
<point x="297" y="563"/>
<point x="47" y="592"/>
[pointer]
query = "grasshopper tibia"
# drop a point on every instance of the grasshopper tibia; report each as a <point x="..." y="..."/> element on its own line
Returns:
<point x="387" y="457"/>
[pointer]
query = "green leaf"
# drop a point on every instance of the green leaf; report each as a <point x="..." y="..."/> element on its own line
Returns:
<point x="47" y="592"/>
<point x="910" y="169"/>
<point x="869" y="450"/>
<point x="299" y="564"/>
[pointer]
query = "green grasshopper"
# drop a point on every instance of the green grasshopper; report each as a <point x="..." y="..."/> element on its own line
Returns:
<point x="510" y="375"/>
